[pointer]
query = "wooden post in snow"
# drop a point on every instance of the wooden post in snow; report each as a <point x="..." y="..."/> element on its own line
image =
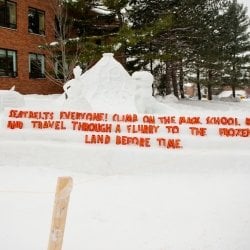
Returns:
<point x="63" y="189"/>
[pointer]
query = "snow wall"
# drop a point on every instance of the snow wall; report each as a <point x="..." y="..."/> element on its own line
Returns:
<point x="107" y="106"/>
<point x="155" y="131"/>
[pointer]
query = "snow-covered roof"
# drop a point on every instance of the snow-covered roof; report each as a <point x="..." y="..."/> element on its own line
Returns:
<point x="188" y="84"/>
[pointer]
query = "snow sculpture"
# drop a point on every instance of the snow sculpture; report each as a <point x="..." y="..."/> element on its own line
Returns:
<point x="107" y="86"/>
<point x="144" y="101"/>
<point x="72" y="88"/>
<point x="167" y="99"/>
<point x="74" y="97"/>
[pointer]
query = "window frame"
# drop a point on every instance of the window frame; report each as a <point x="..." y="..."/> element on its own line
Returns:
<point x="37" y="75"/>
<point x="37" y="31"/>
<point x="6" y="23"/>
<point x="10" y="73"/>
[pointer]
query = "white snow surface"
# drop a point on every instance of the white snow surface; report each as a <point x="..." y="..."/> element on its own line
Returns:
<point x="127" y="198"/>
<point x="228" y="93"/>
<point x="106" y="86"/>
<point x="10" y="98"/>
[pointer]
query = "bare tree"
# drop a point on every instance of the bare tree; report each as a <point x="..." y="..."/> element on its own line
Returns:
<point x="62" y="55"/>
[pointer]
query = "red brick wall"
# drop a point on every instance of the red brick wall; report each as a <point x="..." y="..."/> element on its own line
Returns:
<point x="24" y="43"/>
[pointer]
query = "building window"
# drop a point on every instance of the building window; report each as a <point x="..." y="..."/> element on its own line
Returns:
<point x="8" y="63"/>
<point x="36" y="21"/>
<point x="36" y="66"/>
<point x="8" y="14"/>
<point x="60" y="68"/>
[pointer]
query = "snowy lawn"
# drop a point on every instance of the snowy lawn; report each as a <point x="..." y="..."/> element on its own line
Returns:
<point x="197" y="210"/>
<point x="197" y="198"/>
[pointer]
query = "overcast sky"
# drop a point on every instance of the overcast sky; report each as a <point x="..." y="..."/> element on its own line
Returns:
<point x="247" y="4"/>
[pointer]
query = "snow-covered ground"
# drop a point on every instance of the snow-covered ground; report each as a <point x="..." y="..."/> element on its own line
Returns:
<point x="127" y="197"/>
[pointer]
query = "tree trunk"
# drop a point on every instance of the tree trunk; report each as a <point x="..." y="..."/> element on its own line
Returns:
<point x="151" y="60"/>
<point x="198" y="83"/>
<point x="181" y="83"/>
<point x="209" y="87"/>
<point x="168" y="79"/>
<point x="174" y="80"/>
<point x="120" y="18"/>
<point x="234" y="81"/>
<point x="233" y="90"/>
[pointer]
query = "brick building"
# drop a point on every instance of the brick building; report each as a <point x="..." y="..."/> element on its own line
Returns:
<point x="24" y="25"/>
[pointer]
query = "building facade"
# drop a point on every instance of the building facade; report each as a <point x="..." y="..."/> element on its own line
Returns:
<point x="24" y="26"/>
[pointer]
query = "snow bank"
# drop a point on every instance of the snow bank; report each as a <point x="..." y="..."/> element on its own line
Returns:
<point x="10" y="98"/>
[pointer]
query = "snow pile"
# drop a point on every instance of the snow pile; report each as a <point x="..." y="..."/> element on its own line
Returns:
<point x="106" y="86"/>
<point x="168" y="99"/>
<point x="10" y="98"/>
<point x="230" y="99"/>
<point x="228" y="93"/>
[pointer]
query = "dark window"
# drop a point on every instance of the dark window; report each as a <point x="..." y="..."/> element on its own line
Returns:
<point x="8" y="14"/>
<point x="36" y="66"/>
<point x="36" y="21"/>
<point x="8" y="63"/>
<point x="60" y="67"/>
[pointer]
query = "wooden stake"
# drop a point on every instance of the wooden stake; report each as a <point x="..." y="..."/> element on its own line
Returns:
<point x="63" y="189"/>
